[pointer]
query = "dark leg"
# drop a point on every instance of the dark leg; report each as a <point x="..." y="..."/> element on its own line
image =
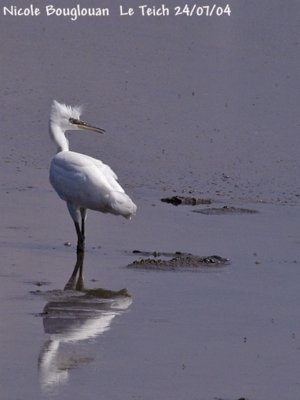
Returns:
<point x="80" y="239"/>
<point x="83" y="228"/>
<point x="76" y="213"/>
<point x="83" y="218"/>
<point x="81" y="231"/>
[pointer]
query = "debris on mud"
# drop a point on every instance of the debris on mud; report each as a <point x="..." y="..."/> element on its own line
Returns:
<point x="176" y="261"/>
<point x="185" y="200"/>
<point x="221" y="398"/>
<point x="39" y="283"/>
<point x="226" y="210"/>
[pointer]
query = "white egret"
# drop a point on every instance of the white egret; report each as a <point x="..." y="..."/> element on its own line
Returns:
<point x="81" y="181"/>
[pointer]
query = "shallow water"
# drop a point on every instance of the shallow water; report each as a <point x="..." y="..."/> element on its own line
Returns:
<point x="207" y="106"/>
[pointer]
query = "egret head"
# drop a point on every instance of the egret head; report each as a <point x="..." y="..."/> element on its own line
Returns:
<point x="68" y="118"/>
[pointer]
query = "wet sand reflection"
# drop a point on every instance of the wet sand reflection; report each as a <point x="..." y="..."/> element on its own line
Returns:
<point x="74" y="315"/>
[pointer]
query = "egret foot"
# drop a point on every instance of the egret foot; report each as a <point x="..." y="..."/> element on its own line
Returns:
<point x="75" y="283"/>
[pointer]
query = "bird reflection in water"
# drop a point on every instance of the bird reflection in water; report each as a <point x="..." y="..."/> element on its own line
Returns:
<point x="71" y="316"/>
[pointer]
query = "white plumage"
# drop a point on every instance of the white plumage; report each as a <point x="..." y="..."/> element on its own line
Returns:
<point x="83" y="181"/>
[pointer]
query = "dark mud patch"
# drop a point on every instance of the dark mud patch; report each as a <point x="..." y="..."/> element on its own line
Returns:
<point x="176" y="261"/>
<point x="221" y="398"/>
<point x="185" y="200"/>
<point x="39" y="283"/>
<point x="226" y="211"/>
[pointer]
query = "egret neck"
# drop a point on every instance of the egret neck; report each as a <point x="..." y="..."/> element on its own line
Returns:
<point x="59" y="137"/>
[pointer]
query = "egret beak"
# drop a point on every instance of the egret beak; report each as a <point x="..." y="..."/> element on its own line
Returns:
<point x="84" y="125"/>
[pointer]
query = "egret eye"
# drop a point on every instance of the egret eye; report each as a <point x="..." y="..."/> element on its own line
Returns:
<point x="74" y="121"/>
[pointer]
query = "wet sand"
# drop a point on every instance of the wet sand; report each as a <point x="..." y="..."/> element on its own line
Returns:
<point x="200" y="107"/>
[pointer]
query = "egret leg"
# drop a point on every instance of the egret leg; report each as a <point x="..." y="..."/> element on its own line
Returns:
<point x="83" y="228"/>
<point x="76" y="213"/>
<point x="81" y="231"/>
<point x="83" y="218"/>
<point x="80" y="239"/>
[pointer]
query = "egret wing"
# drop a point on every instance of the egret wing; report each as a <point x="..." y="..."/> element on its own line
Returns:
<point x="89" y="183"/>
